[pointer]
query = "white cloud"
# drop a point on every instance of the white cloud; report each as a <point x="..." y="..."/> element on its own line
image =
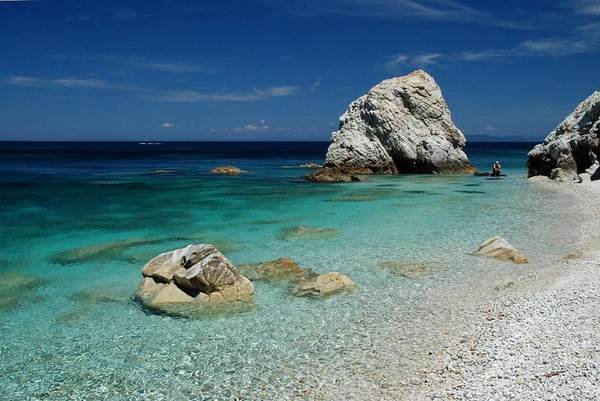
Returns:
<point x="167" y="125"/>
<point x="418" y="60"/>
<point x="276" y="91"/>
<point x="316" y="84"/>
<point x="261" y="127"/>
<point x="586" y="7"/>
<point x="61" y="82"/>
<point x="175" y="96"/>
<point x="489" y="128"/>
<point x="190" y="96"/>
<point x="446" y="10"/>
<point x="583" y="39"/>
<point x="176" y="68"/>
<point x="256" y="95"/>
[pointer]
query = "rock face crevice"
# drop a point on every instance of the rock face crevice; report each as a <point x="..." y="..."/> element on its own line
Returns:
<point x="573" y="147"/>
<point x="402" y="125"/>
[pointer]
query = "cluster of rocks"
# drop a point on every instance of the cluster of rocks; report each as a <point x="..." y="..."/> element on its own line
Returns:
<point x="199" y="276"/>
<point x="402" y="125"/>
<point x="300" y="281"/>
<point x="571" y="151"/>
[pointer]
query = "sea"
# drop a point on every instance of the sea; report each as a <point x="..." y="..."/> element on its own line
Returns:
<point x="78" y="221"/>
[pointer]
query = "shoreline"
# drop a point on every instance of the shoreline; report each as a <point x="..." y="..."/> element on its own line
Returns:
<point x="538" y="338"/>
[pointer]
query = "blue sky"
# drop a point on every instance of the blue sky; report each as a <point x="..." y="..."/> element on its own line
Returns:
<point x="284" y="70"/>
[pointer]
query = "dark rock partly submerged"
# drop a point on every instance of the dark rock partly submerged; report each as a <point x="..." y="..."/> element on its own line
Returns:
<point x="402" y="125"/>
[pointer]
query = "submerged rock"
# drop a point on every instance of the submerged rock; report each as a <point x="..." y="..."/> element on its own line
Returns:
<point x="192" y="277"/>
<point x="402" y="125"/>
<point x="501" y="249"/>
<point x="405" y="268"/>
<point x="18" y="289"/>
<point x="572" y="148"/>
<point x="17" y="281"/>
<point x="574" y="254"/>
<point x="298" y="280"/>
<point x="278" y="270"/>
<point x="101" y="295"/>
<point x="227" y="170"/>
<point x="325" y="285"/>
<point x="329" y="174"/>
<point x="306" y="232"/>
<point x="107" y="252"/>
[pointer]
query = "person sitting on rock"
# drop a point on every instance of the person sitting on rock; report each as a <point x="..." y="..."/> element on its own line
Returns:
<point x="497" y="169"/>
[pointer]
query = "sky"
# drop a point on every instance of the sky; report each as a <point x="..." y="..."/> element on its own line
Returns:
<point x="284" y="70"/>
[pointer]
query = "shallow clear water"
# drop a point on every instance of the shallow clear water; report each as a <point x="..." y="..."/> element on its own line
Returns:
<point x="81" y="220"/>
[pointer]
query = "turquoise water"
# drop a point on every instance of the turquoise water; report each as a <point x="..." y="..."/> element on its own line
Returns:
<point x="78" y="223"/>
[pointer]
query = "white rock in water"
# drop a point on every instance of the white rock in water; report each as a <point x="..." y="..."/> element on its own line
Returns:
<point x="573" y="147"/>
<point x="401" y="125"/>
<point x="501" y="249"/>
<point x="196" y="275"/>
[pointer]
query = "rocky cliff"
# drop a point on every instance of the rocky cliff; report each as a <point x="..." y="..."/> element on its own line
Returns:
<point x="573" y="147"/>
<point x="402" y="125"/>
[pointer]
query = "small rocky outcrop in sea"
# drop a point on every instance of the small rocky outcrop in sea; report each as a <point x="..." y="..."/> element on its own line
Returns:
<point x="572" y="148"/>
<point x="325" y="285"/>
<point x="501" y="249"/>
<point x="299" y="280"/>
<point x="227" y="170"/>
<point x="402" y="125"/>
<point x="194" y="276"/>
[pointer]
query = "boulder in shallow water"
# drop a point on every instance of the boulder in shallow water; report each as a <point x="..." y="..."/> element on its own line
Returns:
<point x="325" y="285"/>
<point x="227" y="170"/>
<point x="194" y="276"/>
<point x="402" y="125"/>
<point x="572" y="148"/>
<point x="501" y="249"/>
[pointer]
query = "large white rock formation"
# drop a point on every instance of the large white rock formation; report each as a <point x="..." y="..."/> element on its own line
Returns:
<point x="402" y="125"/>
<point x="573" y="147"/>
